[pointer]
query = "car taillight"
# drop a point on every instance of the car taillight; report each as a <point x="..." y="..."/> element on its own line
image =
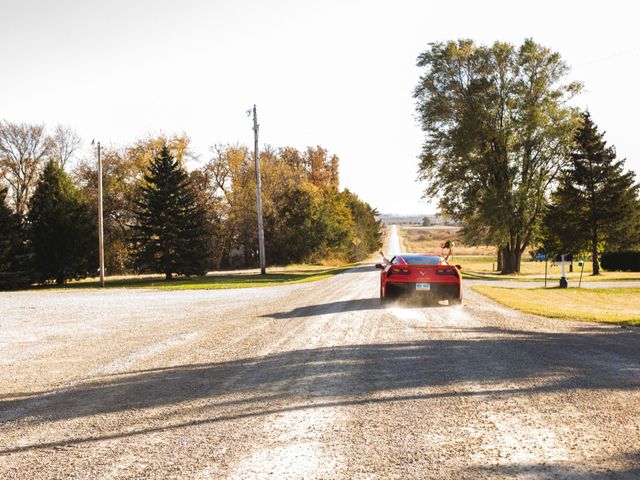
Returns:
<point x="447" y="271"/>
<point x="398" y="271"/>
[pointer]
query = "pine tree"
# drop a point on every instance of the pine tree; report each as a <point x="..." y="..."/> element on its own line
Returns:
<point x="61" y="228"/>
<point x="596" y="202"/>
<point x="14" y="256"/>
<point x="168" y="236"/>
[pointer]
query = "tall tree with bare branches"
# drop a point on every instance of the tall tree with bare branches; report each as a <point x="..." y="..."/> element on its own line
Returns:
<point x="24" y="149"/>
<point x="65" y="141"/>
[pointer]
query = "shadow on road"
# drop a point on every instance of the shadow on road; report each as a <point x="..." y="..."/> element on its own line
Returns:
<point x="360" y="304"/>
<point x="502" y="362"/>
<point x="355" y="305"/>
<point x="563" y="470"/>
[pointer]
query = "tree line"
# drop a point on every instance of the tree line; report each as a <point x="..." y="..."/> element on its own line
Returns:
<point x="507" y="155"/>
<point x="160" y="217"/>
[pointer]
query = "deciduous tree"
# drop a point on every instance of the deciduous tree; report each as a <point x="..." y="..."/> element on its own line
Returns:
<point x="497" y="132"/>
<point x="65" y="142"/>
<point x="123" y="172"/>
<point x="24" y="149"/>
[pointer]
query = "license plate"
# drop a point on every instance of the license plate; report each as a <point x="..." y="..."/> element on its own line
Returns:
<point x="423" y="286"/>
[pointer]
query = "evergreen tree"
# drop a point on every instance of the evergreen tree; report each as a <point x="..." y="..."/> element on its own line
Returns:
<point x="62" y="230"/>
<point x="14" y="257"/>
<point x="168" y="236"/>
<point x="596" y="202"/>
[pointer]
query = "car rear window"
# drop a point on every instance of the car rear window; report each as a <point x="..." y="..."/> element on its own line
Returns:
<point x="422" y="259"/>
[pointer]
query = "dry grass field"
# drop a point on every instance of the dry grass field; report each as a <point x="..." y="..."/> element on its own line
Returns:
<point x="429" y="240"/>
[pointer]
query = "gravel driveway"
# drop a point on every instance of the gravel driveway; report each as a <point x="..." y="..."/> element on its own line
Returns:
<point x="313" y="380"/>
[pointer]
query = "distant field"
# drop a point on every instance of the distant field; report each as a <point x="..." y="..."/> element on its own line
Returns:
<point x="608" y="305"/>
<point x="429" y="239"/>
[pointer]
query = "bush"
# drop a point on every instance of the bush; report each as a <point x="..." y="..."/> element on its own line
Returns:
<point x="621" y="261"/>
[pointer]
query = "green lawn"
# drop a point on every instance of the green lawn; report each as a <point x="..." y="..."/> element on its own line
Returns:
<point x="481" y="266"/>
<point x="276" y="276"/>
<point x="608" y="305"/>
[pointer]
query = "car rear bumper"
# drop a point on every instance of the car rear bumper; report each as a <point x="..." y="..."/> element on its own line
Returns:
<point x="437" y="291"/>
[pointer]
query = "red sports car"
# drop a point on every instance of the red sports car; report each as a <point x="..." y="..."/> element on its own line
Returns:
<point x="426" y="276"/>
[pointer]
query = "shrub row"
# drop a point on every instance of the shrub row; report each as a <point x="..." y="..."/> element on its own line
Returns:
<point x="621" y="261"/>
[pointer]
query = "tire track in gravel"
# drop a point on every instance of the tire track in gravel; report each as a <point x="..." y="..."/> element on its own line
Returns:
<point x="113" y="367"/>
<point x="288" y="426"/>
<point x="297" y="444"/>
<point x="152" y="345"/>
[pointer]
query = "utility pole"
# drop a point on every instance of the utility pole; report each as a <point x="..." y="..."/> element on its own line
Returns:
<point x="256" y="158"/>
<point x="100" y="220"/>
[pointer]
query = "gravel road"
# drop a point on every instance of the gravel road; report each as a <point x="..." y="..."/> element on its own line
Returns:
<point x="313" y="380"/>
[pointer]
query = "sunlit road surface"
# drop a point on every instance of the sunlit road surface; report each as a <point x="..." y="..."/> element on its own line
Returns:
<point x="313" y="380"/>
<point x="394" y="242"/>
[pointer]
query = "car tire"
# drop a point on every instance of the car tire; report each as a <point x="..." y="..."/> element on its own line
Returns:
<point x="455" y="301"/>
<point x="383" y="299"/>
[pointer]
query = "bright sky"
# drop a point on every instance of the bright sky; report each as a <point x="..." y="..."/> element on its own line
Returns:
<point x="334" y="73"/>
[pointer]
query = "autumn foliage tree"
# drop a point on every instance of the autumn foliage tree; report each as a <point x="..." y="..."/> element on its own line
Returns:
<point x="124" y="169"/>
<point x="306" y="217"/>
<point x="24" y="149"/>
<point x="213" y="207"/>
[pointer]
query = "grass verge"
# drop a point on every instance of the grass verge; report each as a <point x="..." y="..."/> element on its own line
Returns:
<point x="482" y="267"/>
<point x="607" y="305"/>
<point x="218" y="280"/>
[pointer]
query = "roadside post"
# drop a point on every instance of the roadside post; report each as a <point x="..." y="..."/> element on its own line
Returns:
<point x="546" y="262"/>
<point x="581" y="265"/>
<point x="563" y="278"/>
<point x="540" y="257"/>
